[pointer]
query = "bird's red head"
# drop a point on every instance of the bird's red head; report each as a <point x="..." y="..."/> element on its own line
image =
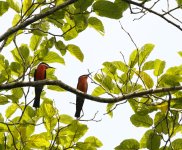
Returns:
<point x="85" y="76"/>
<point x="43" y="66"/>
<point x="40" y="72"/>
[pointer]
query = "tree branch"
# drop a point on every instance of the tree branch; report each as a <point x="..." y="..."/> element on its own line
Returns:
<point x="87" y="96"/>
<point x="154" y="12"/>
<point x="33" y="19"/>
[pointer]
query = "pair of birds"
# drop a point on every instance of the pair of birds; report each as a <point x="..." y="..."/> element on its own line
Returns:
<point x="40" y="74"/>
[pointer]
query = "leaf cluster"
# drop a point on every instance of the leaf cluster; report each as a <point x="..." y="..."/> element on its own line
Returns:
<point x="160" y="113"/>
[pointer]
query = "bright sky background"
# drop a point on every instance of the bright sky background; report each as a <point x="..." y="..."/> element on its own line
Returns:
<point x="97" y="49"/>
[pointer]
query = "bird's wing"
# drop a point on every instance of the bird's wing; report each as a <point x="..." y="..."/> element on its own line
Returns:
<point x="35" y="74"/>
<point x="45" y="75"/>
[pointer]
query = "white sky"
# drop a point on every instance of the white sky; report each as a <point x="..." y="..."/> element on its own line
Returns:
<point x="97" y="49"/>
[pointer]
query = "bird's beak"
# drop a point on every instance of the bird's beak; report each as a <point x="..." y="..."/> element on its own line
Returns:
<point x="89" y="74"/>
<point x="52" y="67"/>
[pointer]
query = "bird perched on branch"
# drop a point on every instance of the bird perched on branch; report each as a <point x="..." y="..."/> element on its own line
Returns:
<point x="82" y="86"/>
<point x="39" y="74"/>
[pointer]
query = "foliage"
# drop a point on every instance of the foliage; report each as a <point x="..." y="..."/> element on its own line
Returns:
<point x="160" y="113"/>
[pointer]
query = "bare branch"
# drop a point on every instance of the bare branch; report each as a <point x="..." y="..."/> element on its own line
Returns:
<point x="87" y="96"/>
<point x="153" y="12"/>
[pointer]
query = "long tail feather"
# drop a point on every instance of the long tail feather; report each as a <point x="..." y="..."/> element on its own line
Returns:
<point x="38" y="91"/>
<point x="79" y="105"/>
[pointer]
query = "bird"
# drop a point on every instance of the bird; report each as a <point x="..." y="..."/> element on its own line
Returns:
<point x="39" y="74"/>
<point x="82" y="85"/>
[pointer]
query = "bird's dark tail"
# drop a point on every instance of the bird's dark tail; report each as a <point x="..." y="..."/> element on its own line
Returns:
<point x="38" y="91"/>
<point x="79" y="105"/>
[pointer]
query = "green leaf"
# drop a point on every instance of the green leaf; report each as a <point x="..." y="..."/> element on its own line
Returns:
<point x="38" y="141"/>
<point x="27" y="7"/>
<point x="61" y="47"/>
<point x="21" y="53"/>
<point x="26" y="131"/>
<point x="84" y="145"/>
<point x="3" y="100"/>
<point x="120" y="66"/>
<point x="17" y="93"/>
<point x="134" y="104"/>
<point x="1" y="118"/>
<point x="98" y="91"/>
<point x="41" y="53"/>
<point x="145" y="52"/>
<point x="2" y="65"/>
<point x="24" y="51"/>
<point x="180" y="53"/>
<point x="53" y="57"/>
<point x="128" y="144"/>
<point x="12" y="36"/>
<point x="35" y="41"/>
<point x="149" y="65"/>
<point x="66" y="119"/>
<point x="3" y="77"/>
<point x="72" y="133"/>
<point x="176" y="70"/>
<point x="122" y="5"/>
<point x="40" y="28"/>
<point x="16" y="67"/>
<point x="40" y="1"/>
<point x="49" y="110"/>
<point x="169" y="80"/>
<point x="81" y="22"/>
<point x="82" y="5"/>
<point x="14" y="5"/>
<point x="3" y="7"/>
<point x="95" y="142"/>
<point x="107" y="83"/>
<point x="107" y="9"/>
<point x="144" y="107"/>
<point x="58" y="2"/>
<point x="150" y="140"/>
<point x="50" y="123"/>
<point x="110" y="67"/>
<point x="58" y="16"/>
<point x="176" y="144"/>
<point x="55" y="88"/>
<point x="69" y="32"/>
<point x="160" y="123"/>
<point x="96" y="24"/>
<point x="133" y="58"/>
<point x="109" y="109"/>
<point x="146" y="79"/>
<point x="176" y="103"/>
<point x="16" y="55"/>
<point x="50" y="74"/>
<point x="16" y="19"/>
<point x="159" y="66"/>
<point x="29" y="113"/>
<point x="165" y="147"/>
<point x="141" y="121"/>
<point x="10" y="110"/>
<point x="140" y="55"/>
<point x="3" y="128"/>
<point x="75" y="51"/>
<point x="179" y="2"/>
<point x="47" y="43"/>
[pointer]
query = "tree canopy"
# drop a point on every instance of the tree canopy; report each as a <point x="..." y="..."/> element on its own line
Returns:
<point x="152" y="90"/>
